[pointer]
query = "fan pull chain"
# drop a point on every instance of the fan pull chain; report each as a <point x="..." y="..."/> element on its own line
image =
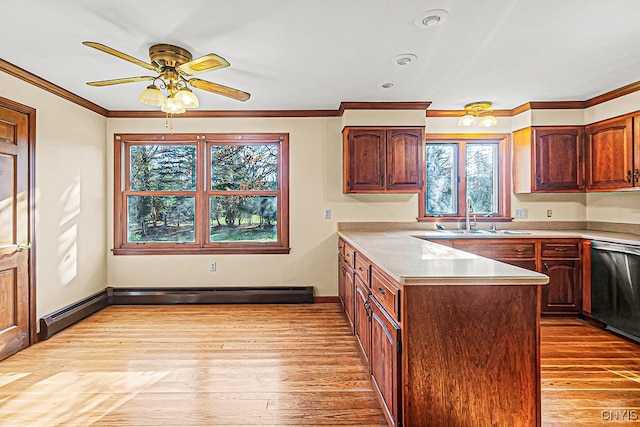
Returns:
<point x="169" y="122"/>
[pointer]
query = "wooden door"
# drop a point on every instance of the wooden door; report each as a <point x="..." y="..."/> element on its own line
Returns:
<point x="362" y="318"/>
<point x="563" y="293"/>
<point x="15" y="296"/>
<point x="366" y="160"/>
<point x="405" y="148"/>
<point x="385" y="372"/>
<point x="610" y="155"/>
<point x="559" y="162"/>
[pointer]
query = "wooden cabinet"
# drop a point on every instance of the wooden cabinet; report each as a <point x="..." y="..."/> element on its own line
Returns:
<point x="613" y="154"/>
<point x="362" y="326"/>
<point x="385" y="361"/>
<point x="549" y="159"/>
<point x="383" y="160"/>
<point x="346" y="284"/>
<point x="561" y="262"/>
<point x="436" y="352"/>
<point x="560" y="259"/>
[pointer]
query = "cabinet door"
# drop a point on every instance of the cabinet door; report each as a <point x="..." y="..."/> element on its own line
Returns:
<point x="385" y="372"/>
<point x="349" y="290"/>
<point x="559" y="162"/>
<point x="342" y="270"/>
<point x="610" y="155"/>
<point x="362" y="318"/>
<point x="563" y="293"/>
<point x="404" y="159"/>
<point x="366" y="159"/>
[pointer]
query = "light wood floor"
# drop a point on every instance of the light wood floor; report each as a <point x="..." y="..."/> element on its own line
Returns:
<point x="272" y="365"/>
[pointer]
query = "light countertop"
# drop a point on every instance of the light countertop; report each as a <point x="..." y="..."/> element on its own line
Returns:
<point x="413" y="261"/>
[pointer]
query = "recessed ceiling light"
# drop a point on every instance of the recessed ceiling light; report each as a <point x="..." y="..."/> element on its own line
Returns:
<point x="387" y="85"/>
<point x="404" y="59"/>
<point x="431" y="18"/>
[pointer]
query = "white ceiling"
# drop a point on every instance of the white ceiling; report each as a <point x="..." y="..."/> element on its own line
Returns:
<point x="314" y="54"/>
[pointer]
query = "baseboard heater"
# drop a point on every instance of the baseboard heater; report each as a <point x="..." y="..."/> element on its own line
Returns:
<point x="67" y="316"/>
<point x="53" y="323"/>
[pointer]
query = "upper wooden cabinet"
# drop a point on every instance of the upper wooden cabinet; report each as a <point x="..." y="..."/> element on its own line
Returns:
<point x="613" y="154"/>
<point x="548" y="159"/>
<point x="383" y="159"/>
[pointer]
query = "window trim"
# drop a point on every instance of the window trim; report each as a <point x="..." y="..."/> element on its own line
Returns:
<point x="202" y="245"/>
<point x="504" y="176"/>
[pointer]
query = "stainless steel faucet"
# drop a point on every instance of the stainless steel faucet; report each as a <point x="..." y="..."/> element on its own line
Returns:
<point x="469" y="210"/>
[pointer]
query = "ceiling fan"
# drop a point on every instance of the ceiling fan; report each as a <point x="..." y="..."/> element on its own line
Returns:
<point x="174" y="67"/>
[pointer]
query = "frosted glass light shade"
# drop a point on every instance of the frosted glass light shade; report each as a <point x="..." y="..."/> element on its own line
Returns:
<point x="467" y="120"/>
<point x="187" y="98"/>
<point x="173" y="106"/>
<point x="152" y="96"/>
<point x="487" y="121"/>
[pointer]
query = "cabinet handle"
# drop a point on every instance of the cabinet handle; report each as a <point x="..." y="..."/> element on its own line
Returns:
<point x="360" y="269"/>
<point x="546" y="266"/>
<point x="560" y="249"/>
<point x="348" y="255"/>
<point x="636" y="175"/>
<point x="389" y="179"/>
<point x="380" y="290"/>
<point x="629" y="176"/>
<point x="344" y="269"/>
<point x="538" y="179"/>
<point x="518" y="250"/>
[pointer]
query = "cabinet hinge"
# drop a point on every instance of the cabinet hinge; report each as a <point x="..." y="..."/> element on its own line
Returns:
<point x="399" y="345"/>
<point x="348" y="183"/>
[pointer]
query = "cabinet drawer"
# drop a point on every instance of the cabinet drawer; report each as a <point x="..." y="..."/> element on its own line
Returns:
<point x="363" y="268"/>
<point x="349" y="255"/>
<point x="341" y="247"/>
<point x="386" y="293"/>
<point x="498" y="248"/>
<point x="560" y="249"/>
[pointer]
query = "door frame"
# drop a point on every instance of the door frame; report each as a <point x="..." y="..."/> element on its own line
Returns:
<point x="31" y="161"/>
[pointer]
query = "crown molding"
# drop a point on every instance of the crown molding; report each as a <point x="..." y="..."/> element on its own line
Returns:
<point x="193" y="114"/>
<point x="458" y="113"/>
<point x="34" y="80"/>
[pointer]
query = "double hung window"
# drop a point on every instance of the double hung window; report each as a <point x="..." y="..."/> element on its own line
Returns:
<point x="211" y="193"/>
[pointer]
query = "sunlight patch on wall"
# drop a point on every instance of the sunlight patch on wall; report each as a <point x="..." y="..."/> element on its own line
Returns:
<point x="70" y="201"/>
<point x="68" y="255"/>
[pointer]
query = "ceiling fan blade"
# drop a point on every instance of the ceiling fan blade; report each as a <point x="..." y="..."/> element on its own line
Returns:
<point x="219" y="89"/>
<point x="122" y="80"/>
<point x="205" y="63"/>
<point x="116" y="53"/>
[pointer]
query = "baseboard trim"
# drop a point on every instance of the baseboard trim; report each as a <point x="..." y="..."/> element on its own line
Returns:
<point x="270" y="295"/>
<point x="53" y="323"/>
<point x="67" y="316"/>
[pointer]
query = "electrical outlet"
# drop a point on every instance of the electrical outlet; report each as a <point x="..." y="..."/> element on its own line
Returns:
<point x="549" y="213"/>
<point x="212" y="266"/>
<point x="521" y="213"/>
<point x="327" y="213"/>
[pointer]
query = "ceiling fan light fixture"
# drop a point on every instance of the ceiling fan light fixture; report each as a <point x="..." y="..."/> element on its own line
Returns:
<point x="187" y="98"/>
<point x="173" y="106"/>
<point x="152" y="95"/>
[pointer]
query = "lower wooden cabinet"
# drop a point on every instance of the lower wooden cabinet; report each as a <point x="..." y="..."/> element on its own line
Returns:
<point x="384" y="360"/>
<point x="362" y="326"/>
<point x="560" y="259"/>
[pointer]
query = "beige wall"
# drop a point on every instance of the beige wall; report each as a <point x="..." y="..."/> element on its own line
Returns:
<point x="70" y="196"/>
<point x="315" y="184"/>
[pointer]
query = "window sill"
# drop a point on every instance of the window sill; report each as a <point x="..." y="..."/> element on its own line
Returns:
<point x="462" y="219"/>
<point x="201" y="251"/>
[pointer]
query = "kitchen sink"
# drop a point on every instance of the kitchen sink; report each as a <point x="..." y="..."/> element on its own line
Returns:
<point x="465" y="231"/>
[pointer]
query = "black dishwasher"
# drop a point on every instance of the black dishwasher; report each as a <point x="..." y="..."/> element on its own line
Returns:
<point x="615" y="287"/>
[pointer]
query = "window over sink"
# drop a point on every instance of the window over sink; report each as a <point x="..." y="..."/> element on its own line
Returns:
<point x="459" y="167"/>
